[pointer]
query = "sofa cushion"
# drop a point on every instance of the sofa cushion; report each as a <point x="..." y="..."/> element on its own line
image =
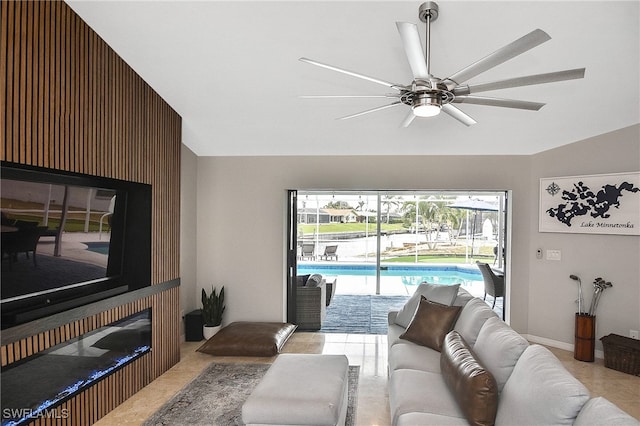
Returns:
<point x="540" y="391"/>
<point x="415" y="419"/>
<point x="462" y="298"/>
<point x="431" y="323"/>
<point x="413" y="391"/>
<point x="600" y="411"/>
<point x="413" y="357"/>
<point x="499" y="347"/>
<point x="394" y="331"/>
<point x="443" y="294"/>
<point x="314" y="280"/>
<point x="473" y="387"/>
<point x="472" y="318"/>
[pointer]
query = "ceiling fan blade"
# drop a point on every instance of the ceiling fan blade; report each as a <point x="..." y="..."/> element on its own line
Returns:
<point x="498" y="102"/>
<point x="408" y="119"/>
<point x="458" y="115"/>
<point x="370" y="110"/>
<point x="351" y="73"/>
<point x="347" y="96"/>
<point x="521" y="81"/>
<point x="511" y="50"/>
<point x="413" y="49"/>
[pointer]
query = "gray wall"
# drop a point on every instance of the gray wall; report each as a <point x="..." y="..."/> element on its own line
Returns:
<point x="189" y="296"/>
<point x="616" y="258"/>
<point x="241" y="214"/>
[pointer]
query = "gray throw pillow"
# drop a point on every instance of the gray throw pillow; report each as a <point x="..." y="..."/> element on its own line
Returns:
<point x="499" y="347"/>
<point x="472" y="318"/>
<point x="600" y="411"/>
<point x="443" y="294"/>
<point x="314" y="280"/>
<point x="540" y="391"/>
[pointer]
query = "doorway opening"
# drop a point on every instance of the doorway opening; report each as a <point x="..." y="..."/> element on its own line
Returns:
<point x="380" y="245"/>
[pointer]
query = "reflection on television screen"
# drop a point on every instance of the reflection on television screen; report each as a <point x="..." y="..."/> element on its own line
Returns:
<point x="53" y="236"/>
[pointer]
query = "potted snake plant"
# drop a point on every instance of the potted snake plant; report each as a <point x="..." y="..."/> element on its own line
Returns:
<point x="212" y="310"/>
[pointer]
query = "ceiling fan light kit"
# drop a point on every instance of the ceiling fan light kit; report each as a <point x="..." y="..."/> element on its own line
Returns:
<point x="426" y="104"/>
<point x="428" y="95"/>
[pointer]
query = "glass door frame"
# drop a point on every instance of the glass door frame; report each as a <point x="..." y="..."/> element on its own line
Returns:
<point x="503" y="234"/>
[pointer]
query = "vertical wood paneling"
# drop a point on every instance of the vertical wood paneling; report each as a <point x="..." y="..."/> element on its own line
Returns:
<point x="71" y="103"/>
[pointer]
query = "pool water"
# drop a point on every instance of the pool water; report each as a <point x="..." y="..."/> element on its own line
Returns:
<point x="396" y="278"/>
<point x="98" y="247"/>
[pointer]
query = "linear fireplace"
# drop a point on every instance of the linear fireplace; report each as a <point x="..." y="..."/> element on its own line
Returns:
<point x="43" y="381"/>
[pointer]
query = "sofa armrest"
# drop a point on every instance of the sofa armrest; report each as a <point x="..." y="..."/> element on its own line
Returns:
<point x="311" y="306"/>
<point x="391" y="317"/>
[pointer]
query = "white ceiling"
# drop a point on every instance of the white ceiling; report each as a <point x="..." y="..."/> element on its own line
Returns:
<point x="231" y="70"/>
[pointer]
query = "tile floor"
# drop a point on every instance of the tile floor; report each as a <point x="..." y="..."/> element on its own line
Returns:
<point x="368" y="351"/>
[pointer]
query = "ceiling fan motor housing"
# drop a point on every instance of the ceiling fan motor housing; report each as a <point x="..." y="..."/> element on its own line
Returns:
<point x="432" y="92"/>
<point x="428" y="10"/>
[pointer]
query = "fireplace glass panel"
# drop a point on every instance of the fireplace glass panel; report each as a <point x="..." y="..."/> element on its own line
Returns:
<point x="33" y="387"/>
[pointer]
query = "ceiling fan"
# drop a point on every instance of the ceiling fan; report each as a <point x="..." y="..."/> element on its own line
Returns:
<point x="427" y="95"/>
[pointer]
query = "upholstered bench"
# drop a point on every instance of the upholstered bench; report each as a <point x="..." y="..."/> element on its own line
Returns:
<point x="300" y="389"/>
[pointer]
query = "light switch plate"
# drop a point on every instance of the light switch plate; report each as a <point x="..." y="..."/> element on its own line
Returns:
<point x="554" y="255"/>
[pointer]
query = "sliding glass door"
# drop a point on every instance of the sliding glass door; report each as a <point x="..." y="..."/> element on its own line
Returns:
<point x="388" y="242"/>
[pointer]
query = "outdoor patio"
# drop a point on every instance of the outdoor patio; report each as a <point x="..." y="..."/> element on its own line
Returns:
<point x="356" y="309"/>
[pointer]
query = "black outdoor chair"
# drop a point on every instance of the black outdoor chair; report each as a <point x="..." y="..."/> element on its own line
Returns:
<point x="24" y="240"/>
<point x="493" y="284"/>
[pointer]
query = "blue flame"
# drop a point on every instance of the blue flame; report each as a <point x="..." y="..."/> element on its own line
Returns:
<point x="43" y="410"/>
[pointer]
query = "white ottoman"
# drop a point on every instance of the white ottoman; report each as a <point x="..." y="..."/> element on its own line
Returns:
<point x="300" y="389"/>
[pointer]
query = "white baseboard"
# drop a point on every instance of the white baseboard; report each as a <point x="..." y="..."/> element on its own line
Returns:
<point x="557" y="344"/>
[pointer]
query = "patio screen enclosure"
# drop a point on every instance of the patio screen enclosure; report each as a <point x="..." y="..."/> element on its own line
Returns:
<point x="376" y="229"/>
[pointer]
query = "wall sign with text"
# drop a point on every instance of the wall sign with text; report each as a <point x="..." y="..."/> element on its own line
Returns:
<point x="594" y="204"/>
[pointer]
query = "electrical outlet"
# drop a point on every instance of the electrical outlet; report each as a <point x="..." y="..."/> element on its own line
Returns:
<point x="539" y="253"/>
<point x="633" y="334"/>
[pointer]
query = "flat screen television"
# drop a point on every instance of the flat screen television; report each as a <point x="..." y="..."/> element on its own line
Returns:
<point x="68" y="240"/>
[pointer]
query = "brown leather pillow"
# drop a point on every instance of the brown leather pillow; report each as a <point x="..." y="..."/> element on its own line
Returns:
<point x="431" y="322"/>
<point x="471" y="384"/>
<point x="241" y="338"/>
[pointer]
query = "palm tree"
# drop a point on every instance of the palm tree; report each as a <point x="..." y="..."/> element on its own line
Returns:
<point x="388" y="201"/>
<point x="341" y="205"/>
<point x="408" y="210"/>
<point x="433" y="212"/>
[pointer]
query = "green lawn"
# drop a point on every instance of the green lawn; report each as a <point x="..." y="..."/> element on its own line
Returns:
<point x="325" y="228"/>
<point x="71" y="224"/>
<point x="74" y="222"/>
<point x="438" y="259"/>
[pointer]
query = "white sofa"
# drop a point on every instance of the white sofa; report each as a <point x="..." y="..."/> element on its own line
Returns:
<point x="486" y="373"/>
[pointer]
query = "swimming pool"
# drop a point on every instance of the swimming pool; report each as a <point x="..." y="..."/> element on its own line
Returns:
<point x="101" y="247"/>
<point x="395" y="276"/>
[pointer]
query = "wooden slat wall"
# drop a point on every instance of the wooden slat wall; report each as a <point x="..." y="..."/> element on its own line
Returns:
<point x="69" y="102"/>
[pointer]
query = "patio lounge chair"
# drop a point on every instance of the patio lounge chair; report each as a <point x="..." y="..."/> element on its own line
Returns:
<point x="329" y="253"/>
<point x="307" y="251"/>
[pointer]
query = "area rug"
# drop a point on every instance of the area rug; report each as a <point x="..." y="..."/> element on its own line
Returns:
<point x="216" y="396"/>
<point x="360" y="314"/>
